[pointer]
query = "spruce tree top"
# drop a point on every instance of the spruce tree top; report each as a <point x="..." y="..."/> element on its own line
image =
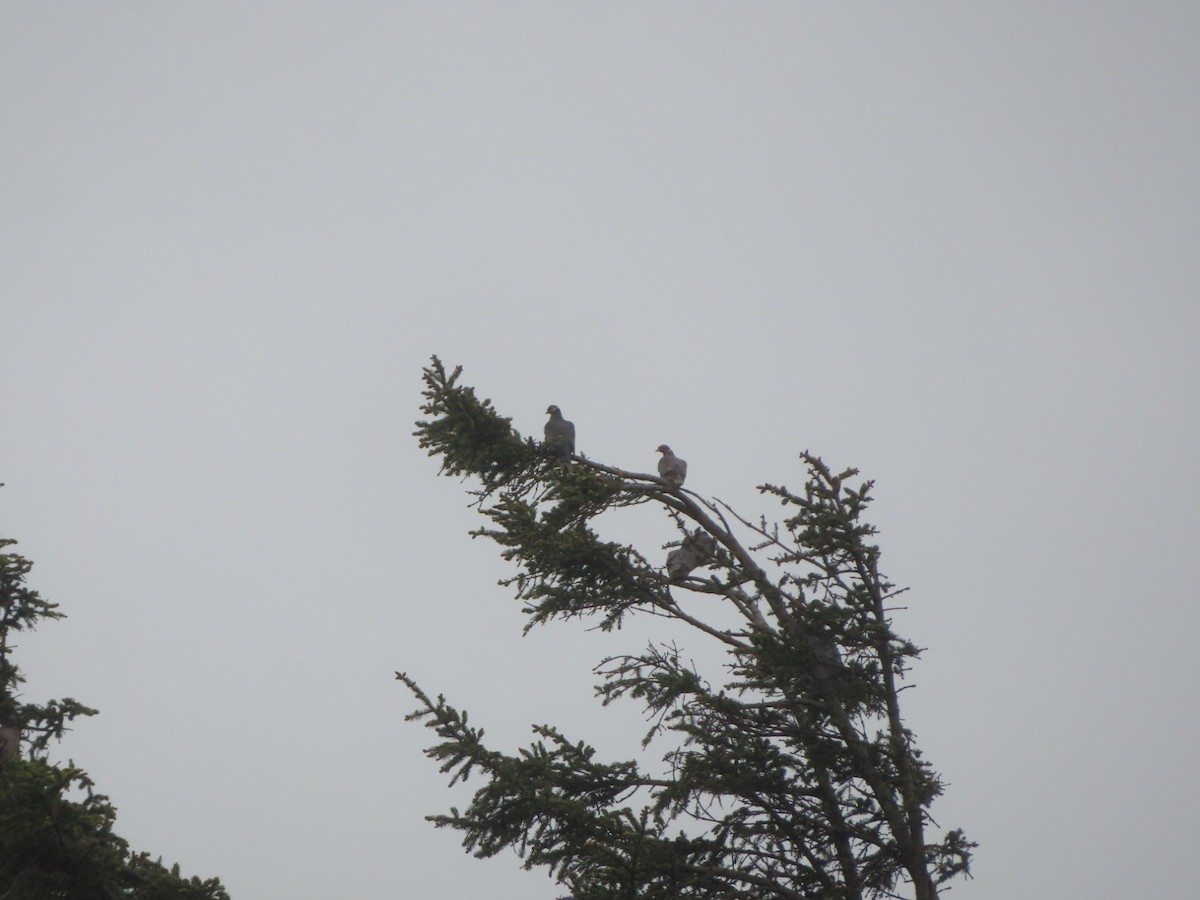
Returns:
<point x="790" y="774"/>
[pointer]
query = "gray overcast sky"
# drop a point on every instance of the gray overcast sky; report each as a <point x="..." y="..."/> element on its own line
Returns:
<point x="954" y="245"/>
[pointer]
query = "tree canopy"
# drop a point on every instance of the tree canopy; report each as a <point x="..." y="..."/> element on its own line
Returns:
<point x="790" y="773"/>
<point x="56" y="832"/>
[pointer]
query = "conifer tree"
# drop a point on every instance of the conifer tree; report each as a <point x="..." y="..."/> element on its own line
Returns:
<point x="56" y="837"/>
<point x="790" y="774"/>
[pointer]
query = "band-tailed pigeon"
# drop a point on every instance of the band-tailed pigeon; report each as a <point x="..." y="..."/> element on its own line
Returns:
<point x="697" y="549"/>
<point x="671" y="468"/>
<point x="560" y="434"/>
<point x="680" y="563"/>
<point x="702" y="544"/>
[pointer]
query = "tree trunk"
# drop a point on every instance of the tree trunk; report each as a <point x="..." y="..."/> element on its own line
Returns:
<point x="10" y="742"/>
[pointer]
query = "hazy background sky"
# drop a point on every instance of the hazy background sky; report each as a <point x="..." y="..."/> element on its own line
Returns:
<point x="954" y="245"/>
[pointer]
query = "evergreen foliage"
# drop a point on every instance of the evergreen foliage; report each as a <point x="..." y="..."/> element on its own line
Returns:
<point x="794" y="777"/>
<point x="56" y="837"/>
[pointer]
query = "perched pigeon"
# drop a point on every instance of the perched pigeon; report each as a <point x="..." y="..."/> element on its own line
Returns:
<point x="703" y="545"/>
<point x="697" y="549"/>
<point x="671" y="468"/>
<point x="560" y="434"/>
<point x="680" y="563"/>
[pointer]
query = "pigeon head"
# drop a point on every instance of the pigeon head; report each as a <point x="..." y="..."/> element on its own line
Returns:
<point x="553" y="410"/>
<point x="663" y="448"/>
